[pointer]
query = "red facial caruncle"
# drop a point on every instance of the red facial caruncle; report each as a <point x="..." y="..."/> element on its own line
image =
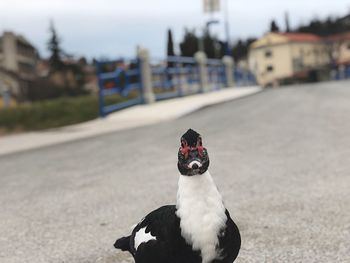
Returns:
<point x="185" y="148"/>
<point x="200" y="146"/>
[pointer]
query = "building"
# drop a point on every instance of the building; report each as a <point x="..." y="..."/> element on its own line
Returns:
<point x="340" y="48"/>
<point x="18" y="55"/>
<point x="280" y="56"/>
<point x="9" y="85"/>
<point x="18" y="59"/>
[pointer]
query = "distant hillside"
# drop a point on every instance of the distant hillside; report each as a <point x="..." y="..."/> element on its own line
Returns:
<point x="329" y="26"/>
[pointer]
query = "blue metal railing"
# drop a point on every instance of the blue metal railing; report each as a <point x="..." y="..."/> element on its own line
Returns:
<point x="243" y="77"/>
<point x="120" y="82"/>
<point x="347" y="72"/>
<point x="171" y="75"/>
<point x="341" y="73"/>
<point x="216" y="73"/>
<point x="119" y="79"/>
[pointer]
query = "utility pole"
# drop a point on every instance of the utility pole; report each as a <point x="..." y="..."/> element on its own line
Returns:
<point x="227" y="27"/>
<point x="286" y="19"/>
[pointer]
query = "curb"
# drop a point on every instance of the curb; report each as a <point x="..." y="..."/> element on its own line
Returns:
<point x="137" y="116"/>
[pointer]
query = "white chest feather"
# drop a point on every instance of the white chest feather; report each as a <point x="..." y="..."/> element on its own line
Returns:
<point x="202" y="214"/>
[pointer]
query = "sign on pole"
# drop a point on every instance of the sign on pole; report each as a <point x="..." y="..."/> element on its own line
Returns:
<point x="211" y="6"/>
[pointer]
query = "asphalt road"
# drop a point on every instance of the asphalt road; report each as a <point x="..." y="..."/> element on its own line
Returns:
<point x="281" y="160"/>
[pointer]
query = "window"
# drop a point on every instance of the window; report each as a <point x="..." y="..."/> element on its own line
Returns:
<point x="298" y="64"/>
<point x="26" y="68"/>
<point x="269" y="68"/>
<point x="268" y="53"/>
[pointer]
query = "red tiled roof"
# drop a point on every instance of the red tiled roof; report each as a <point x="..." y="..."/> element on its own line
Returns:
<point x="339" y="37"/>
<point x="301" y="37"/>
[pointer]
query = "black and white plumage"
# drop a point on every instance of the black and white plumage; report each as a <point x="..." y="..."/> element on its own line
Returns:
<point x="198" y="229"/>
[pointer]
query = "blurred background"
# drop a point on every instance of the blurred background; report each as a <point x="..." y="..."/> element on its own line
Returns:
<point x="49" y="49"/>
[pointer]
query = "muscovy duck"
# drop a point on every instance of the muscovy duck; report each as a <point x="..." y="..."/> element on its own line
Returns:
<point x="198" y="229"/>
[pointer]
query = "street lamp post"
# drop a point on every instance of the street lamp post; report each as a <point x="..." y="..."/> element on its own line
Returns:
<point x="208" y="24"/>
<point x="206" y="29"/>
<point x="211" y="22"/>
<point x="212" y="6"/>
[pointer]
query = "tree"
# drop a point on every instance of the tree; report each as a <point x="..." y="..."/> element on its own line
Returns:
<point x="170" y="45"/>
<point x="241" y="48"/>
<point x="212" y="48"/>
<point x="274" y="27"/>
<point x="327" y="26"/>
<point x="170" y="50"/>
<point x="53" y="45"/>
<point x="189" y="45"/>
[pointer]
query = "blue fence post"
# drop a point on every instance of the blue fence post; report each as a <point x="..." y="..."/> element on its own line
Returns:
<point x="342" y="72"/>
<point x="348" y="71"/>
<point x="101" y="103"/>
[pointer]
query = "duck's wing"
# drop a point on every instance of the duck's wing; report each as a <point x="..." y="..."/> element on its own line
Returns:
<point x="229" y="241"/>
<point x="157" y="239"/>
<point x="159" y="226"/>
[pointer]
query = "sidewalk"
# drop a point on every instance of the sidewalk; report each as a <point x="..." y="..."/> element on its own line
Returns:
<point x="136" y="116"/>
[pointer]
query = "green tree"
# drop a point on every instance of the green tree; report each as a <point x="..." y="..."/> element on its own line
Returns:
<point x="326" y="27"/>
<point x="274" y="27"/>
<point x="170" y="50"/>
<point x="209" y="45"/>
<point x="53" y="45"/>
<point x="170" y="45"/>
<point x="241" y="48"/>
<point x="189" y="45"/>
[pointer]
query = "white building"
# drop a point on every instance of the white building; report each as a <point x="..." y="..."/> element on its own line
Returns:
<point x="18" y="55"/>
<point x="18" y="59"/>
<point x="279" y="56"/>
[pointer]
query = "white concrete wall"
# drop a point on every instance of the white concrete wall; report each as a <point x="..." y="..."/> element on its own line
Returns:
<point x="280" y="60"/>
<point x="311" y="55"/>
<point x="344" y="52"/>
<point x="286" y="60"/>
<point x="9" y="51"/>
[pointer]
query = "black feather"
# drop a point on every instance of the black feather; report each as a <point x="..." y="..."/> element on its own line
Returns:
<point x="123" y="243"/>
<point x="191" y="137"/>
<point x="170" y="246"/>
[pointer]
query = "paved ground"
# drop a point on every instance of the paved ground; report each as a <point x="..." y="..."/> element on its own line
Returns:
<point x="280" y="159"/>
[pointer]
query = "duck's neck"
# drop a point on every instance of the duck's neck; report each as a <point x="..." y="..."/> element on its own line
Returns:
<point x="201" y="212"/>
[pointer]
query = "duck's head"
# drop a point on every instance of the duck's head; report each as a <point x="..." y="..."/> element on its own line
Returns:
<point x="193" y="158"/>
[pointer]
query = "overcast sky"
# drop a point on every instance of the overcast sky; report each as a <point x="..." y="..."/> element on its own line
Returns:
<point x="113" y="28"/>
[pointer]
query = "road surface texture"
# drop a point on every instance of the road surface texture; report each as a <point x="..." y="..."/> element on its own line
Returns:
<point x="280" y="159"/>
